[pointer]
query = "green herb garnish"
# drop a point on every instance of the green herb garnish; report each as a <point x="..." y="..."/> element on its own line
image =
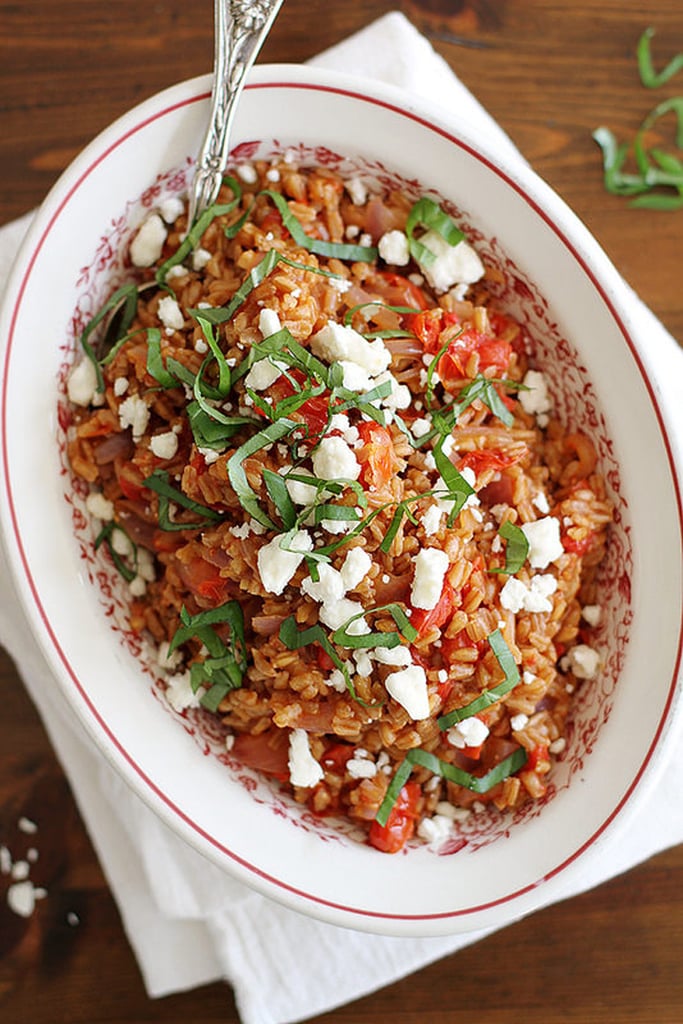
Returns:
<point x="516" y="547"/>
<point x="507" y="663"/>
<point x="446" y="770"/>
<point x="650" y="78"/>
<point x="223" y="670"/>
<point x="656" y="180"/>
<point x="356" y="641"/>
<point x="428" y="214"/>
<point x="167" y="493"/>
<point x="105" y="537"/>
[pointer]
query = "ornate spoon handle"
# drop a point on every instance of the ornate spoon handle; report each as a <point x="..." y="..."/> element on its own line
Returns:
<point x="240" y="29"/>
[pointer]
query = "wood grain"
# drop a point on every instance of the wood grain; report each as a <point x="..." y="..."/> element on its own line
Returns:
<point x="550" y="72"/>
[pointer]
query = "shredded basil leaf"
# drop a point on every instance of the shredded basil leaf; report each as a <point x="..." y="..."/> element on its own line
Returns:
<point x="127" y="295"/>
<point x="277" y="489"/>
<point x="105" y="537"/>
<point x="238" y="478"/>
<point x="195" y="233"/>
<point x="516" y="547"/>
<point x="446" y="770"/>
<point x="223" y="670"/>
<point x="507" y="663"/>
<point x="650" y="78"/>
<point x="167" y="493"/>
<point x="427" y="213"/>
<point x="355" y="641"/>
<point x="338" y="250"/>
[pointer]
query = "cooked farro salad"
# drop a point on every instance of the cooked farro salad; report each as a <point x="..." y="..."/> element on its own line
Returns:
<point x="323" y="460"/>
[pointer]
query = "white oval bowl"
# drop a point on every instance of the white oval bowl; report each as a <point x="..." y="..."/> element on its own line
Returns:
<point x="576" y="307"/>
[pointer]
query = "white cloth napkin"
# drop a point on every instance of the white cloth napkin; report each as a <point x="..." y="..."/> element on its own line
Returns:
<point x="187" y="922"/>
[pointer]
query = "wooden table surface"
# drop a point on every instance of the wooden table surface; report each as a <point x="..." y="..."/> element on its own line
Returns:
<point x="550" y="72"/>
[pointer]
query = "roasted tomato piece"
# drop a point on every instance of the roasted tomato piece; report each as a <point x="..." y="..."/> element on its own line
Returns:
<point x="393" y="836"/>
<point x="377" y="456"/>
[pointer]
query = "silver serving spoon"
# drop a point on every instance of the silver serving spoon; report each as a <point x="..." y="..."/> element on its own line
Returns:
<point x="241" y="27"/>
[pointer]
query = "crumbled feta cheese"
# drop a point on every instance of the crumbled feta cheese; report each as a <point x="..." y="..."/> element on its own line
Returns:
<point x="354" y="377"/>
<point x="471" y="732"/>
<point x="337" y="613"/>
<point x="299" y="492"/>
<point x="363" y="663"/>
<point x="409" y="687"/>
<point x="168" y="662"/>
<point x="328" y="587"/>
<point x="27" y="826"/>
<point x="241" y="532"/>
<point x="276" y="565"/>
<point x="393" y="248"/>
<point x="21" y="897"/>
<point x="171" y="209"/>
<point x="535" y="401"/>
<point x="399" y="397"/>
<point x="337" y="681"/>
<point x="517" y="596"/>
<point x="355" y="568"/>
<point x="431" y="520"/>
<point x="361" y="767"/>
<point x="134" y="413"/>
<point x="272" y="174"/>
<point x="304" y="770"/>
<point x="170" y="313"/>
<point x="454" y="264"/>
<point x="263" y="374"/>
<point x="335" y="342"/>
<point x="583" y="661"/>
<point x="121" y="385"/>
<point x="81" y="385"/>
<point x="20" y="870"/>
<point x="176" y="272"/>
<point x="517" y="722"/>
<point x="592" y="614"/>
<point x="435" y="829"/>
<point x="248" y="174"/>
<point x="146" y="247"/>
<point x="334" y="460"/>
<point x="5" y="861"/>
<point x="179" y="692"/>
<point x="545" y="545"/>
<point x="164" y="446"/>
<point x="338" y="526"/>
<point x="431" y="565"/>
<point x="398" y="656"/>
<point x="357" y="190"/>
<point x="540" y="501"/>
<point x="421" y="427"/>
<point x="268" y="322"/>
<point x="200" y="258"/>
<point x="210" y="455"/>
<point x="99" y="506"/>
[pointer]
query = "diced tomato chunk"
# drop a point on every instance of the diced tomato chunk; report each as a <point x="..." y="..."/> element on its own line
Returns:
<point x="335" y="757"/>
<point x="428" y="326"/>
<point x="423" y="619"/>
<point x="204" y="580"/>
<point x="377" y="457"/>
<point x="488" y="458"/>
<point x="400" y="826"/>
